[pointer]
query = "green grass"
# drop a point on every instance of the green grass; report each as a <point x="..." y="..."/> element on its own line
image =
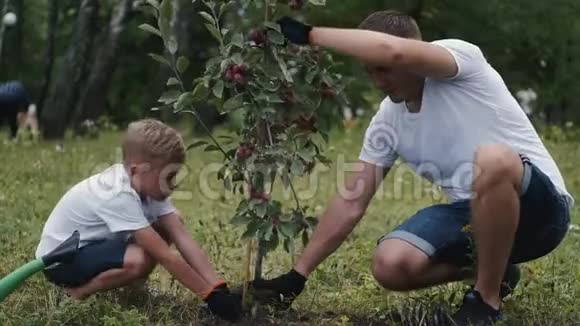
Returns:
<point x="340" y="292"/>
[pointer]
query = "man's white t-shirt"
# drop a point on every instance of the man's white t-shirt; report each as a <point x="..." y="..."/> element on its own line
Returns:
<point x="457" y="115"/>
<point x="102" y="206"/>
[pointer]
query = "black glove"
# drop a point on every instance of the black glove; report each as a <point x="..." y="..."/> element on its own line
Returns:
<point x="224" y="304"/>
<point x="294" y="30"/>
<point x="284" y="289"/>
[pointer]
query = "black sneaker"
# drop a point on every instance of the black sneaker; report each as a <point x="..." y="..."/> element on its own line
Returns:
<point x="510" y="281"/>
<point x="475" y="312"/>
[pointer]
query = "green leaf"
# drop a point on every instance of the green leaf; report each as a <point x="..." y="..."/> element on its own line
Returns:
<point x="153" y="3"/>
<point x="305" y="238"/>
<point x="297" y="167"/>
<point x="185" y="99"/>
<point x="251" y="229"/>
<point x="164" y="21"/>
<point x="267" y="230"/>
<point x="182" y="64"/>
<point x="150" y="29"/>
<point x="218" y="89"/>
<point x="310" y="75"/>
<point x="172" y="81"/>
<point x="307" y="153"/>
<point x="234" y="102"/>
<point x="282" y="65"/>
<point x="274" y="26"/>
<point x="237" y="58"/>
<point x="224" y="7"/>
<point x="211" y="148"/>
<point x="311" y="221"/>
<point x="200" y="92"/>
<point x="285" y="179"/>
<point x="318" y="2"/>
<point x="272" y="243"/>
<point x="196" y="144"/>
<point x="241" y="219"/>
<point x="171" y="44"/>
<point x="212" y="62"/>
<point x="261" y="209"/>
<point x="238" y="40"/>
<point x="225" y="31"/>
<point x="289" y="229"/>
<point x="276" y="37"/>
<point x="214" y="31"/>
<point x="289" y="246"/>
<point x="160" y="59"/>
<point x="207" y="17"/>
<point x="169" y="97"/>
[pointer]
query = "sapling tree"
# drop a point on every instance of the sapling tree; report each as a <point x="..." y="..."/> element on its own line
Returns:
<point x="288" y="95"/>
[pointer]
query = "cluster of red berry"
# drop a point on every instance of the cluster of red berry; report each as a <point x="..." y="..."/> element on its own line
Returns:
<point x="236" y="73"/>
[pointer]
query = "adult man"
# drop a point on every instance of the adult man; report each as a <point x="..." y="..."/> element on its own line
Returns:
<point x="451" y="118"/>
<point x="14" y="103"/>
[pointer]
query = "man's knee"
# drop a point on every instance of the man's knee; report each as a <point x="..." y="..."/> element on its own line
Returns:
<point x="496" y="163"/>
<point x="396" y="264"/>
<point x="137" y="262"/>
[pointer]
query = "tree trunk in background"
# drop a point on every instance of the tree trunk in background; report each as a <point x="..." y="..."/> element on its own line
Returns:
<point x="21" y="14"/>
<point x="63" y="94"/>
<point x="93" y="99"/>
<point x="3" y="11"/>
<point x="49" y="57"/>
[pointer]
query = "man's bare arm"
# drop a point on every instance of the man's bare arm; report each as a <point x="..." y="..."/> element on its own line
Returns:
<point x="381" y="49"/>
<point x="341" y="216"/>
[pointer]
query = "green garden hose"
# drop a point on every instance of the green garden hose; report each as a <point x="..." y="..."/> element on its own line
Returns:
<point x="62" y="254"/>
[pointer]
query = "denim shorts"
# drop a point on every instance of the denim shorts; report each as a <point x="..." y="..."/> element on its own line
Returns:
<point x="91" y="260"/>
<point x="443" y="233"/>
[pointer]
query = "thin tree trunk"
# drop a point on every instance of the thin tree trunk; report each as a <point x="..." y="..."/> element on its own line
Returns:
<point x="49" y="57"/>
<point x="2" y="26"/>
<point x="261" y="253"/>
<point x="63" y="94"/>
<point x="21" y="13"/>
<point x="93" y="99"/>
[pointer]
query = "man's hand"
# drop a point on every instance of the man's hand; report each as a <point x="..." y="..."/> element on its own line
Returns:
<point x="285" y="288"/>
<point x="224" y="304"/>
<point x="294" y="30"/>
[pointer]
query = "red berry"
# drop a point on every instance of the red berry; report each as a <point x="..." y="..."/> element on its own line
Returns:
<point x="244" y="152"/>
<point x="260" y="195"/>
<point x="306" y="124"/>
<point x="296" y="4"/>
<point x="258" y="36"/>
<point x="326" y="91"/>
<point x="229" y="75"/>
<point x="239" y="79"/>
<point x="289" y="97"/>
<point x="236" y="69"/>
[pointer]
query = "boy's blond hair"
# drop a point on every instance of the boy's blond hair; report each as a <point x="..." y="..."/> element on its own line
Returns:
<point x="149" y="139"/>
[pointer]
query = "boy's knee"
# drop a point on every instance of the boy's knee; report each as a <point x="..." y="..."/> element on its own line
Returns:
<point x="138" y="263"/>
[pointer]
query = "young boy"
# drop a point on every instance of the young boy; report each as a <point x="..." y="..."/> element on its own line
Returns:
<point x="127" y="224"/>
<point x="451" y="118"/>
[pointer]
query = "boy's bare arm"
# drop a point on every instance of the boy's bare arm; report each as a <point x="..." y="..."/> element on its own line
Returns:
<point x="190" y="250"/>
<point x="158" y="249"/>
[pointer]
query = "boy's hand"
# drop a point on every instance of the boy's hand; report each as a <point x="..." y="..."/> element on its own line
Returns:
<point x="224" y="304"/>
<point x="294" y="30"/>
<point x="286" y="287"/>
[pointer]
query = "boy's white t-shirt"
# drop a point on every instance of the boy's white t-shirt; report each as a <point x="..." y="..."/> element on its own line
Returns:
<point x="100" y="207"/>
<point x="457" y="115"/>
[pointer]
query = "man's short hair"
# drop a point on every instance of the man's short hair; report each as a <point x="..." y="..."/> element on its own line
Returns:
<point x="392" y="22"/>
<point x="151" y="139"/>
